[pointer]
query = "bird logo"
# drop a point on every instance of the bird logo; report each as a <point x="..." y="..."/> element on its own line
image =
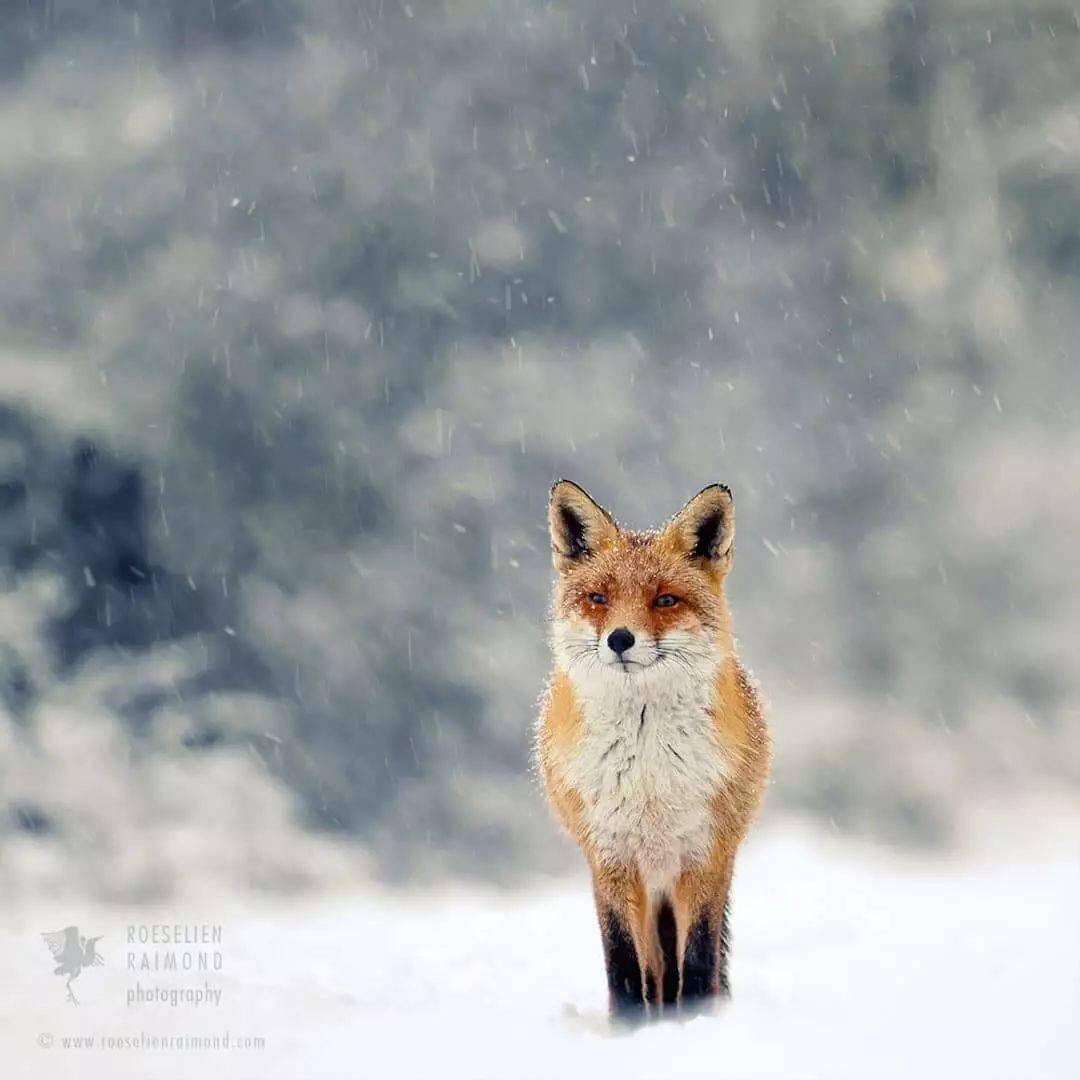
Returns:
<point x="72" y="953"/>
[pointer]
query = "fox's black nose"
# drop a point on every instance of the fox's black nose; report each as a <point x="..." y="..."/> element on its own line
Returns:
<point x="620" y="640"/>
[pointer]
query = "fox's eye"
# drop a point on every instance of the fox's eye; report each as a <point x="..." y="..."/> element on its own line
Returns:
<point x="665" y="600"/>
<point x="597" y="598"/>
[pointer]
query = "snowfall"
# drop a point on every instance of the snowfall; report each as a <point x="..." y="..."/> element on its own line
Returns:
<point x="848" y="961"/>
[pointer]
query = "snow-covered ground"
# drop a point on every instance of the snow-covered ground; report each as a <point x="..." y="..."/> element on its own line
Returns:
<point x="848" y="962"/>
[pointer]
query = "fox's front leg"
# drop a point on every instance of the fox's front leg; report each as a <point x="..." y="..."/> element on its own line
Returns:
<point x="703" y="917"/>
<point x="621" y="910"/>
<point x="705" y="962"/>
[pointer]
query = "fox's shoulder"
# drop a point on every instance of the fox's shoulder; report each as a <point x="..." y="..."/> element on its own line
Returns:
<point x="738" y="713"/>
<point x="741" y="728"/>
<point x="557" y="735"/>
<point x="560" y="716"/>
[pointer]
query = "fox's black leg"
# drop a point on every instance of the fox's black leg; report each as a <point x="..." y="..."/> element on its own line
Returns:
<point x="705" y="963"/>
<point x="623" y="968"/>
<point x="666" y="933"/>
<point x="700" y="959"/>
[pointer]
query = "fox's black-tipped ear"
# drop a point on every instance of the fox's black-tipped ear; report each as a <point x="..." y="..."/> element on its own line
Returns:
<point x="579" y="526"/>
<point x="704" y="529"/>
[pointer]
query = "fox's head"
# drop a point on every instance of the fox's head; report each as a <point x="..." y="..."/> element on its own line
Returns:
<point x="633" y="604"/>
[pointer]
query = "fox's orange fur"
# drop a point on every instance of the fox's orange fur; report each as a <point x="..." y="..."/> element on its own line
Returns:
<point x="654" y="757"/>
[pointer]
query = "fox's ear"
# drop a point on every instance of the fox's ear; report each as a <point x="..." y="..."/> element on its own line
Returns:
<point x="704" y="528"/>
<point x="579" y="526"/>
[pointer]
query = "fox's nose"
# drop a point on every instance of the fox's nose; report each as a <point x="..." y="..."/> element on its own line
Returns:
<point x="620" y="640"/>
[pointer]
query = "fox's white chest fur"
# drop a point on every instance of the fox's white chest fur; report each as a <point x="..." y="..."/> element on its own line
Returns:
<point x="647" y="765"/>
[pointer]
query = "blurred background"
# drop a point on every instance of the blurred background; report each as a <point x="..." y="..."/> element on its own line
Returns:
<point x="304" y="304"/>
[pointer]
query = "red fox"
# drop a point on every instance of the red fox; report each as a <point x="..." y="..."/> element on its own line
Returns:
<point x="651" y="743"/>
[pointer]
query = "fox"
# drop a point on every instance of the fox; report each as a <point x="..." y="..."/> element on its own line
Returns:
<point x="651" y="744"/>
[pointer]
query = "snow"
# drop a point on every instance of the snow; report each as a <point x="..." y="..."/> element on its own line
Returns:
<point x="849" y="961"/>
